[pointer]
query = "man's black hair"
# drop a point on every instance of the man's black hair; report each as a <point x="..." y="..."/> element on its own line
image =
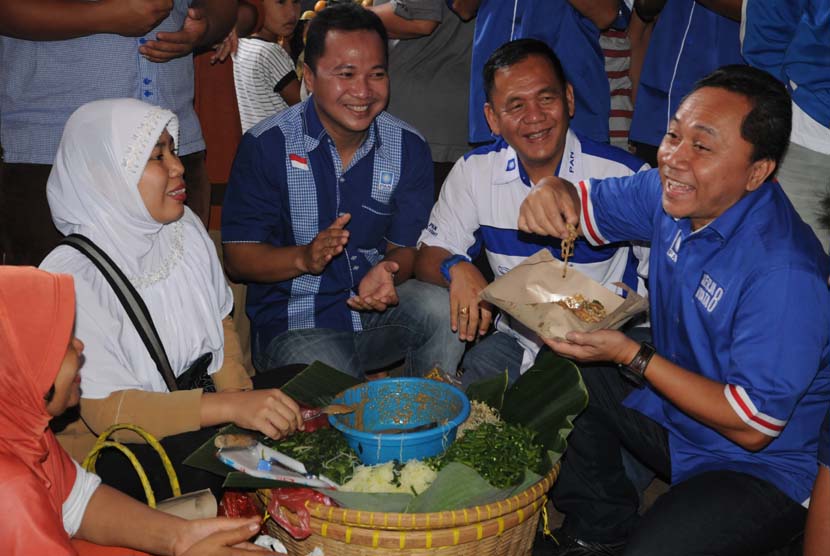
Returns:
<point x="345" y="16"/>
<point x="513" y="52"/>
<point x="768" y="124"/>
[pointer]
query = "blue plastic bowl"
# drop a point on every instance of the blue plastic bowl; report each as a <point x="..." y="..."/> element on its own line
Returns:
<point x="400" y="403"/>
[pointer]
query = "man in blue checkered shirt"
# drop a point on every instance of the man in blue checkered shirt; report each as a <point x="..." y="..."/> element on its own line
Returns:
<point x="324" y="207"/>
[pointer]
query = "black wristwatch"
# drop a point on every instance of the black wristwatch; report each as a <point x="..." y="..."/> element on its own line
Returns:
<point x="635" y="371"/>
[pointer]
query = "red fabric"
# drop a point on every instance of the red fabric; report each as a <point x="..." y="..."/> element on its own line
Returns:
<point x="37" y="312"/>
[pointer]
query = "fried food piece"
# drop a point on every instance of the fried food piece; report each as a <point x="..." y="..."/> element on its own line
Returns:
<point x="567" y="248"/>
<point x="588" y="311"/>
<point x="234" y="441"/>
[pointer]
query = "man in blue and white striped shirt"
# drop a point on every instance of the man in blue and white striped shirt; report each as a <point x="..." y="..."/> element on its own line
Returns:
<point x="529" y="106"/>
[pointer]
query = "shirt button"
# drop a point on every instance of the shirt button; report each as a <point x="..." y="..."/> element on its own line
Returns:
<point x="354" y="257"/>
<point x="147" y="80"/>
<point x="342" y="180"/>
<point x="147" y="93"/>
<point x="355" y="267"/>
<point x="142" y="40"/>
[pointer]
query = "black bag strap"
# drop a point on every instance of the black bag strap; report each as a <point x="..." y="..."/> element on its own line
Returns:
<point x="132" y="302"/>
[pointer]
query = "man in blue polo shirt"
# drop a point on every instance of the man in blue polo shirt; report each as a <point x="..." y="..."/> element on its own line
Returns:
<point x="738" y="379"/>
<point x="529" y="105"/>
<point x="324" y="206"/>
<point x="690" y="39"/>
<point x="570" y="27"/>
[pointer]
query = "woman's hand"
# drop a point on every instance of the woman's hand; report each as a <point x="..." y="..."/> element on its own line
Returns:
<point x="601" y="345"/>
<point x="218" y="537"/>
<point x="270" y="412"/>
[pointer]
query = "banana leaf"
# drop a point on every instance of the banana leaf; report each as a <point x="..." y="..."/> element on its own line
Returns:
<point x="460" y="486"/>
<point x="546" y="399"/>
<point x="318" y="384"/>
<point x="490" y="390"/>
<point x="204" y="457"/>
<point x="378" y="502"/>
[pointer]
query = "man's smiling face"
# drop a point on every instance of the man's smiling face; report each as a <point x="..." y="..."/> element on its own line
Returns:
<point x="531" y="108"/>
<point x="350" y="85"/>
<point x="705" y="164"/>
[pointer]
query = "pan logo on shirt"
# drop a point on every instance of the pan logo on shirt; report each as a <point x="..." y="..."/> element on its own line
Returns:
<point x="571" y="162"/>
<point x="298" y="162"/>
<point x="708" y="293"/>
<point x="432" y="229"/>
<point x="511" y="165"/>
<point x="386" y="180"/>
<point x="675" y="246"/>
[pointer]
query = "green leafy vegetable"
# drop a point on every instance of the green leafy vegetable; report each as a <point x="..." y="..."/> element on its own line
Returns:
<point x="500" y="452"/>
<point x="323" y="452"/>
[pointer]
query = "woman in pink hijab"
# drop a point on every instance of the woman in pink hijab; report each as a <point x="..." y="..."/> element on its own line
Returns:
<point x="45" y="497"/>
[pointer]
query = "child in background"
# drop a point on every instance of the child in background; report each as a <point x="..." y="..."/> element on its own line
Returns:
<point x="264" y="73"/>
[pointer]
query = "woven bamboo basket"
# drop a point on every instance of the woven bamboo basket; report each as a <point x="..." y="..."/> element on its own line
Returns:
<point x="503" y="528"/>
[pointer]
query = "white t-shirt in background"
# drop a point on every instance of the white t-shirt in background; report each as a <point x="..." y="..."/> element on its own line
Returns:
<point x="260" y="70"/>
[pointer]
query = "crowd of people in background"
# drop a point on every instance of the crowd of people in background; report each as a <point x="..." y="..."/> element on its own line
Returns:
<point x="389" y="160"/>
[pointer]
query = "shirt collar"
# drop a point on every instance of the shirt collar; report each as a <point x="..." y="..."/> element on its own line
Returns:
<point x="510" y="168"/>
<point x="726" y="224"/>
<point x="314" y="132"/>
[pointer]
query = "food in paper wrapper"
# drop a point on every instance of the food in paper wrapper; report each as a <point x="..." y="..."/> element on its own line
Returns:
<point x="532" y="290"/>
<point x="585" y="310"/>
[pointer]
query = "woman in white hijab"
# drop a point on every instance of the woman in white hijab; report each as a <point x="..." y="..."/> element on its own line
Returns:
<point x="117" y="181"/>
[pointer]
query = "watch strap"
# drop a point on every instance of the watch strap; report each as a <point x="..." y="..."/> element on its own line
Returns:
<point x="450" y="262"/>
<point x="636" y="369"/>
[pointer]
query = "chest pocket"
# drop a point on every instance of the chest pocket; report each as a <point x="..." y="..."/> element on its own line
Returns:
<point x="373" y="207"/>
<point x="375" y="219"/>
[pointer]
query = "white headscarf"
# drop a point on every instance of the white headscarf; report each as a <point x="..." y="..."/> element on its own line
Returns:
<point x="93" y="191"/>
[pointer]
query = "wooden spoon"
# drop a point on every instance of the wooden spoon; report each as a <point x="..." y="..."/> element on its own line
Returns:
<point x="331" y="409"/>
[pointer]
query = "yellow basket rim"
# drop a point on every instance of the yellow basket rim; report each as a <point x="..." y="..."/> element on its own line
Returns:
<point x="397" y="521"/>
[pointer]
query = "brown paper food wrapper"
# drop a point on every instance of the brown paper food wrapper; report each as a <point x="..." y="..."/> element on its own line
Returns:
<point x="529" y="293"/>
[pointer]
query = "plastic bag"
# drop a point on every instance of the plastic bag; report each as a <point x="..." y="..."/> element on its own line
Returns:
<point x="238" y="504"/>
<point x="289" y="508"/>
